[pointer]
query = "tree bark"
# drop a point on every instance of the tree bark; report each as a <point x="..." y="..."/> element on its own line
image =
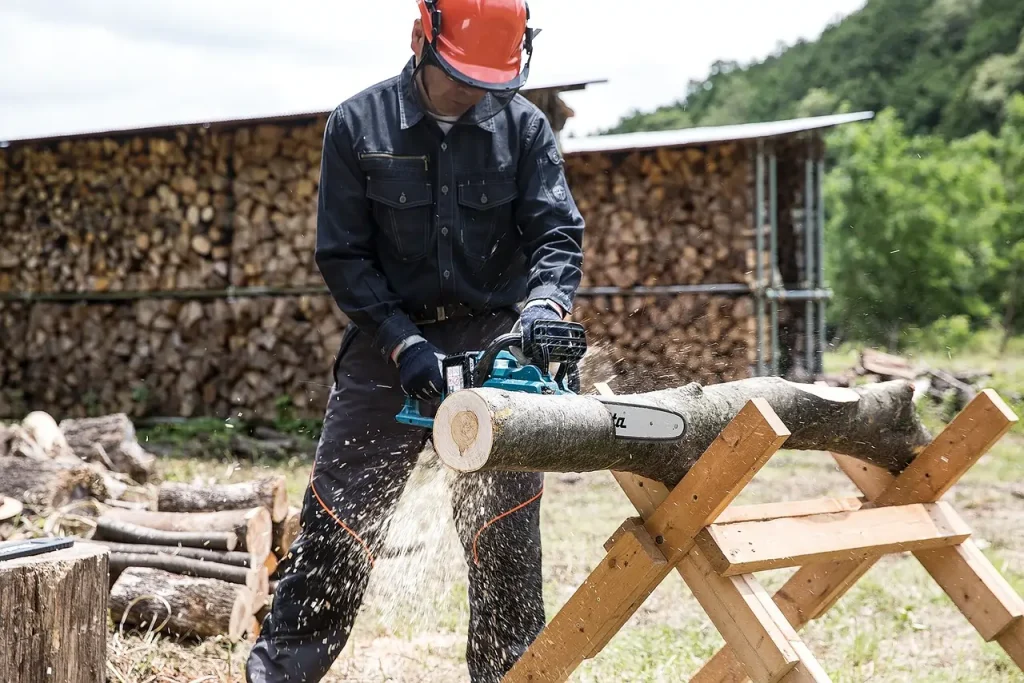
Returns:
<point x="53" y="608"/>
<point x="125" y="532"/>
<point x="46" y="484"/>
<point x="269" y="492"/>
<point x="252" y="527"/>
<point x="198" y="606"/>
<point x="490" y="429"/>
<point x="232" y="558"/>
<point x="111" y="440"/>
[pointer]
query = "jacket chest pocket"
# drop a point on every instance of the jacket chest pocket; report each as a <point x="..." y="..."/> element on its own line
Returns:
<point x="486" y="216"/>
<point x="402" y="208"/>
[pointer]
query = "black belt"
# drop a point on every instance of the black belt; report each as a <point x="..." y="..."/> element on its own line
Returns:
<point x="448" y="312"/>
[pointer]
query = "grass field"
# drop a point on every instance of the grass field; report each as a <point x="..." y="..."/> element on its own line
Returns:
<point x="895" y="625"/>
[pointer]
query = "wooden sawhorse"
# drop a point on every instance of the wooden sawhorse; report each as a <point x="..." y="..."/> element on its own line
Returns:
<point x="716" y="549"/>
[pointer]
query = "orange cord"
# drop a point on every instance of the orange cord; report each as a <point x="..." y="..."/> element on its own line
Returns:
<point x="335" y="517"/>
<point x="476" y="559"/>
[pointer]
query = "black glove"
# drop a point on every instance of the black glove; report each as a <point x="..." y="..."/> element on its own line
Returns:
<point x="419" y="368"/>
<point x="528" y="317"/>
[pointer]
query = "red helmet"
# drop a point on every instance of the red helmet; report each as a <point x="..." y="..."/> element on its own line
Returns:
<point x="479" y="43"/>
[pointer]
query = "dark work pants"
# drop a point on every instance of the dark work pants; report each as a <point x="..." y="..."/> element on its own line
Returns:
<point x="362" y="464"/>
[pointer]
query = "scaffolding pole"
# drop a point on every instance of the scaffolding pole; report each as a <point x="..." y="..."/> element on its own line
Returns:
<point x="821" y="264"/>
<point x="808" y="269"/>
<point x="759" y="247"/>
<point x="774" y="275"/>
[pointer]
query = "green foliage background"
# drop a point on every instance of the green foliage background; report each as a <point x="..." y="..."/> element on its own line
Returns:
<point x="925" y="204"/>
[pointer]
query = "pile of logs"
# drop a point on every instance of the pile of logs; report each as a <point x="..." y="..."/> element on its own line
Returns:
<point x="168" y="357"/>
<point x="667" y="216"/>
<point x="206" y="552"/>
<point x="209" y="551"/>
<point x="658" y="340"/>
<point x="140" y="213"/>
<point x="277" y="173"/>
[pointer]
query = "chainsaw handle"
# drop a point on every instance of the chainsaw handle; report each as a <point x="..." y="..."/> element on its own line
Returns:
<point x="486" y="362"/>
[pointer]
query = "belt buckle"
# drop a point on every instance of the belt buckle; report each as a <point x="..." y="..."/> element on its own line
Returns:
<point x="441" y="316"/>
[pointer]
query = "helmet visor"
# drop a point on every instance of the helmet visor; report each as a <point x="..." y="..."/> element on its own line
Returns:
<point x="496" y="96"/>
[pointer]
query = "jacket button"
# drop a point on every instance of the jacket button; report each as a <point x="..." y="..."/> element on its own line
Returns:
<point x="446" y="275"/>
<point x="483" y="199"/>
<point x="444" y="230"/>
<point x="402" y="199"/>
<point x="444" y="189"/>
<point x="444" y="146"/>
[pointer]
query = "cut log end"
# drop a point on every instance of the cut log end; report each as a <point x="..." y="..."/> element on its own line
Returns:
<point x="56" y="604"/>
<point x="463" y="427"/>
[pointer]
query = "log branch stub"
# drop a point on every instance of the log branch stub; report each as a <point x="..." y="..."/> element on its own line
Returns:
<point x="527" y="432"/>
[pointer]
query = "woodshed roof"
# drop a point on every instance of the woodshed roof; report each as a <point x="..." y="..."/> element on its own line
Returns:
<point x="684" y="137"/>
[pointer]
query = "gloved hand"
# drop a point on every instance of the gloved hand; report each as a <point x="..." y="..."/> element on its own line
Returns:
<point x="419" y="368"/>
<point x="529" y="316"/>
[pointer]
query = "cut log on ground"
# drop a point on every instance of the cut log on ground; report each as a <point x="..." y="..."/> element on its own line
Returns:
<point x="492" y="429"/>
<point x="110" y="529"/>
<point x="111" y="440"/>
<point x="119" y="561"/>
<point x="252" y="527"/>
<point x="286" y="532"/>
<point x="45" y="484"/>
<point x="268" y="492"/>
<point x="232" y="558"/>
<point x="198" y="606"/>
<point x="53" y="608"/>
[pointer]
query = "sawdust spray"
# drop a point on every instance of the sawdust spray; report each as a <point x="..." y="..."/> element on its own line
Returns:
<point x="413" y="585"/>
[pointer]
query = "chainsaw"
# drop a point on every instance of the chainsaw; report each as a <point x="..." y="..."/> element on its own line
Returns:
<point x="505" y="364"/>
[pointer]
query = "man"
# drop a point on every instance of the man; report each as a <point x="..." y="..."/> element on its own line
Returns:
<point x="444" y="221"/>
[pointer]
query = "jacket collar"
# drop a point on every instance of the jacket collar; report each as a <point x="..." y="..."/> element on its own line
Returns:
<point x="410" y="104"/>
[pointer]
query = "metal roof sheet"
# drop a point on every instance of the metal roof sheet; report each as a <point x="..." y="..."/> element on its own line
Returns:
<point x="150" y="126"/>
<point x="702" y="135"/>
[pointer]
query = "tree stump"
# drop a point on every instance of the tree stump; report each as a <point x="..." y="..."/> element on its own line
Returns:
<point x="53" y="616"/>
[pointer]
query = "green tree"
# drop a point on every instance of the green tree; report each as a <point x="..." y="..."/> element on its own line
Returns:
<point x="912" y="229"/>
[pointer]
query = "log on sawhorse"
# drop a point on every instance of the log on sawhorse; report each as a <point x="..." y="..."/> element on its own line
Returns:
<point x="717" y="549"/>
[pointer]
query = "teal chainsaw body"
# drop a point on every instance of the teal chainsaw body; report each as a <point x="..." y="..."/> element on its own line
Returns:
<point x="505" y="365"/>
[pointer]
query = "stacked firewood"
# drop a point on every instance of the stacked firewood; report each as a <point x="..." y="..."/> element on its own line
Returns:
<point x="168" y="357"/>
<point x="277" y="172"/>
<point x="665" y="217"/>
<point x="660" y="218"/>
<point x="651" y="341"/>
<point x="140" y="213"/>
<point x="205" y="551"/>
<point x="208" y="550"/>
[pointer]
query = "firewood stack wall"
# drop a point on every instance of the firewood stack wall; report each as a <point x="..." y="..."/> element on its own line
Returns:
<point x="207" y="208"/>
<point x="663" y="217"/>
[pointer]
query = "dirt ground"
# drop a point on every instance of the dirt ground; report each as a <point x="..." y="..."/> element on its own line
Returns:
<point x="895" y="625"/>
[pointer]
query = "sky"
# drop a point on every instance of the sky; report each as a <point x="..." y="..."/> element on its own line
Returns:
<point x="83" y="65"/>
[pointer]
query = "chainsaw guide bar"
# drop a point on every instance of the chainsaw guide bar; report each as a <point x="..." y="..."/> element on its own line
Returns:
<point x="635" y="422"/>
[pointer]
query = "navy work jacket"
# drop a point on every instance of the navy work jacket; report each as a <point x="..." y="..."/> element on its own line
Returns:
<point x="410" y="219"/>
